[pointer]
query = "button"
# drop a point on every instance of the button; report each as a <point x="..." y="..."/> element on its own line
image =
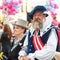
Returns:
<point x="29" y="49"/>
<point x="20" y="44"/>
<point x="31" y="45"/>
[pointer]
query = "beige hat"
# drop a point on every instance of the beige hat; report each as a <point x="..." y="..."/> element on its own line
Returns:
<point x="22" y="23"/>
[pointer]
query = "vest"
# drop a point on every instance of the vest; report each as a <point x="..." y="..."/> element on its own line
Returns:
<point x="44" y="39"/>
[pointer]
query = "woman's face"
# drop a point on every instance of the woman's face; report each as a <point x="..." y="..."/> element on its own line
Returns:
<point x="18" y="30"/>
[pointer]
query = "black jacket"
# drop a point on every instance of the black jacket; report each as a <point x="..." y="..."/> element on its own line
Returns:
<point x="13" y="55"/>
<point x="6" y="44"/>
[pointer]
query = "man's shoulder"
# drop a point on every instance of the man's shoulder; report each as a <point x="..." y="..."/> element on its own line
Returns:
<point x="52" y="27"/>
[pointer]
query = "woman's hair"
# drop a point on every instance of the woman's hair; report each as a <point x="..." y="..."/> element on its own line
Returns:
<point x="7" y="30"/>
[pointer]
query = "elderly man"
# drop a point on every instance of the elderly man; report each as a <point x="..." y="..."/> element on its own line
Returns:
<point x="42" y="38"/>
<point x="19" y="32"/>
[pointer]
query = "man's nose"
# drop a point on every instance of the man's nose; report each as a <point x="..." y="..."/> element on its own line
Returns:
<point x="36" y="16"/>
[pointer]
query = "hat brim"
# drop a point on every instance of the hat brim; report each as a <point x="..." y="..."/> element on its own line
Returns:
<point x="21" y="26"/>
<point x="31" y="15"/>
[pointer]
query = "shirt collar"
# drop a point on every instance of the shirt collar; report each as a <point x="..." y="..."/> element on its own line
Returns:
<point x="16" y="41"/>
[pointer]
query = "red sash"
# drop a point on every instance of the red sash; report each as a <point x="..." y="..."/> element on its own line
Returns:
<point x="37" y="42"/>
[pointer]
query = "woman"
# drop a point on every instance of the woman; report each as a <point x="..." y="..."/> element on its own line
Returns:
<point x="5" y="39"/>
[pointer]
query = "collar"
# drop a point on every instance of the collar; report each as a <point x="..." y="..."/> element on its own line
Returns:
<point x="16" y="41"/>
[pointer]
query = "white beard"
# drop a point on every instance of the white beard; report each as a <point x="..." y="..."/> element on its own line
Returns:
<point x="37" y="25"/>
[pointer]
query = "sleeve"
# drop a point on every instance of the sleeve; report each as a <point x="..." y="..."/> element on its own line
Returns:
<point x="22" y="53"/>
<point x="48" y="52"/>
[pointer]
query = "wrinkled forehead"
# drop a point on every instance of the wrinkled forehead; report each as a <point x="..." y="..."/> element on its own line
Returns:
<point x="38" y="12"/>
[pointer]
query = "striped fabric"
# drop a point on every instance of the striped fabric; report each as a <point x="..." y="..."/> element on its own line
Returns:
<point x="37" y="42"/>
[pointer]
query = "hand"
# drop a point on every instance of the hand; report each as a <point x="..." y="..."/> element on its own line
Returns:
<point x="23" y="58"/>
<point x="20" y="57"/>
<point x="26" y="58"/>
